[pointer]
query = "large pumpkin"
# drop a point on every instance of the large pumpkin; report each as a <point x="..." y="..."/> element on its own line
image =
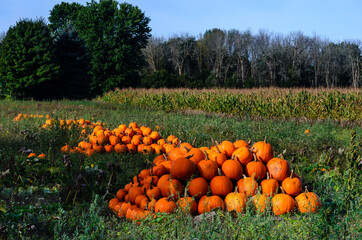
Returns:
<point x="278" y="168"/>
<point x="308" y="202"/>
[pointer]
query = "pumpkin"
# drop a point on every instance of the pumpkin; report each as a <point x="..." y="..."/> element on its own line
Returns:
<point x="221" y="186"/>
<point x="182" y="169"/>
<point x="133" y="193"/>
<point x="282" y="203"/>
<point x="171" y="188"/>
<point x="162" y="179"/>
<point x="232" y="169"/>
<point x="112" y="203"/>
<point x="148" y="204"/>
<point x="269" y="186"/>
<point x="207" y="168"/>
<point x="235" y="201"/>
<point x="261" y="202"/>
<point x="241" y="143"/>
<point x="139" y="198"/>
<point x="176" y="153"/>
<point x="195" y="155"/>
<point x="227" y="148"/>
<point x="263" y="151"/>
<point x="198" y="187"/>
<point x="292" y="186"/>
<point x="308" y="202"/>
<point x="154" y="135"/>
<point x="113" y="140"/>
<point x="278" y="168"/>
<point x="159" y="170"/>
<point x="121" y="193"/>
<point x="123" y="210"/>
<point x="208" y="203"/>
<point x="243" y="155"/>
<point x="187" y="205"/>
<point x="247" y="185"/>
<point x="154" y="192"/>
<point x="165" y="205"/>
<point x="257" y="168"/>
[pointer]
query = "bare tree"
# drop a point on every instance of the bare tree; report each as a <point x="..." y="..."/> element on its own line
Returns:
<point x="180" y="48"/>
<point x="153" y="52"/>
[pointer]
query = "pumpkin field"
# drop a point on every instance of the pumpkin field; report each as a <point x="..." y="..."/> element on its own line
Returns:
<point x="183" y="164"/>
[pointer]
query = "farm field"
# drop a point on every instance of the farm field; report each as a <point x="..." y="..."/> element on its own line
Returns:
<point x="65" y="196"/>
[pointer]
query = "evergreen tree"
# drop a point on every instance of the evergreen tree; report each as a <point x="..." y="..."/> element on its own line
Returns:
<point x="73" y="60"/>
<point x="26" y="60"/>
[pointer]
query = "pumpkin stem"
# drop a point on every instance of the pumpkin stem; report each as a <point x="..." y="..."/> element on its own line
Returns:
<point x="236" y="189"/>
<point x="254" y="157"/>
<point x="212" y="141"/>
<point x="249" y="142"/>
<point x="291" y="174"/>
<point x="165" y="157"/>
<point x="265" y="139"/>
<point x="217" y="148"/>
<point x="282" y="156"/>
<point x="244" y="176"/>
<point x="188" y="150"/>
<point x="267" y="176"/>
<point x="282" y="190"/>
<point x="206" y="156"/>
<point x="219" y="172"/>
<point x="306" y="190"/>
<point x="194" y="141"/>
<point x="233" y="157"/>
<point x="189" y="156"/>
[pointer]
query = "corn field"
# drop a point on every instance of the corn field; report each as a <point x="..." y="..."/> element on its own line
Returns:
<point x="335" y="104"/>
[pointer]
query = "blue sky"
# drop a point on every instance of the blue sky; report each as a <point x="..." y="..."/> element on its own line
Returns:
<point x="336" y="20"/>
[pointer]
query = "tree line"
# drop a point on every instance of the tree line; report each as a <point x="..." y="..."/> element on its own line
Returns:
<point x="83" y="51"/>
<point x="240" y="59"/>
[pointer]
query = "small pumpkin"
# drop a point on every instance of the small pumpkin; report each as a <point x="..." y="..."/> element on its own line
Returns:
<point x="292" y="185"/>
<point x="269" y="186"/>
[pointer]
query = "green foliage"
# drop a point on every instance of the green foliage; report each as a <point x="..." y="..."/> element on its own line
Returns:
<point x="63" y="14"/>
<point x="74" y="62"/>
<point x="27" y="60"/>
<point x="115" y="34"/>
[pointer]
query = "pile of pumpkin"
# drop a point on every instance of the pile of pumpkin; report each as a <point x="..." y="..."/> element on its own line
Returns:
<point x="225" y="176"/>
<point x="131" y="138"/>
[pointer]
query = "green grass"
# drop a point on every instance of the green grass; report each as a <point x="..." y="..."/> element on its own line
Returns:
<point x="50" y="200"/>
